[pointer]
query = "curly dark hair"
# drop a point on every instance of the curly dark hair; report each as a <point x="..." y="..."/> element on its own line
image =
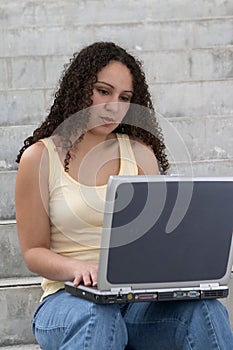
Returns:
<point x="75" y="95"/>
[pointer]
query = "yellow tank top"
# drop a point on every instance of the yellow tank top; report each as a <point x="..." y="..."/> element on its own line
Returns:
<point x="76" y="210"/>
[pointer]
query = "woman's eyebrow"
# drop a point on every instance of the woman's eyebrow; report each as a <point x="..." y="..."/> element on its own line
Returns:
<point x="111" y="86"/>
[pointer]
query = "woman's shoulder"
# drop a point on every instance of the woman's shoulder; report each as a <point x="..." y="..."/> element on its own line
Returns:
<point x="34" y="153"/>
<point x="33" y="164"/>
<point x="144" y="155"/>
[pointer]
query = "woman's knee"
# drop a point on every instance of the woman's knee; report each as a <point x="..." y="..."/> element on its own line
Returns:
<point x="81" y="322"/>
<point x="99" y="327"/>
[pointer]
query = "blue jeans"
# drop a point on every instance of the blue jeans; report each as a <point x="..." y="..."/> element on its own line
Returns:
<point x="63" y="322"/>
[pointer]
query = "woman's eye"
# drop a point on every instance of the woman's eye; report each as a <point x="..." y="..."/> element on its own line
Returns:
<point x="103" y="92"/>
<point x="125" y="98"/>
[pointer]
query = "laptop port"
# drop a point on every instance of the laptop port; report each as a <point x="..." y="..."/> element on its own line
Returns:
<point x="110" y="298"/>
<point x="193" y="294"/>
<point x="146" y="296"/>
<point x="179" y="294"/>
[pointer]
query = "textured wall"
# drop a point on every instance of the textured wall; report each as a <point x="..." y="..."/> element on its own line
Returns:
<point x="187" y="49"/>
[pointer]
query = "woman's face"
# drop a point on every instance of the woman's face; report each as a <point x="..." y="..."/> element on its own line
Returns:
<point x="111" y="97"/>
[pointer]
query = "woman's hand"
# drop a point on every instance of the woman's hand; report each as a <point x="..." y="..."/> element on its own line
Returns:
<point x="86" y="273"/>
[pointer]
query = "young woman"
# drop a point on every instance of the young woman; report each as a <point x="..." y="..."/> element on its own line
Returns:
<point x="101" y="123"/>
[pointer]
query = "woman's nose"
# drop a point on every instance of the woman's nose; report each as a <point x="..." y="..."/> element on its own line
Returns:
<point x="112" y="106"/>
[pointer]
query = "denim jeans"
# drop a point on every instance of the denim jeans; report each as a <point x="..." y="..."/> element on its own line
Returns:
<point x="64" y="322"/>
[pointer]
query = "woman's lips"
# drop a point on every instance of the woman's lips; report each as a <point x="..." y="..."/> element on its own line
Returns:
<point x="107" y="120"/>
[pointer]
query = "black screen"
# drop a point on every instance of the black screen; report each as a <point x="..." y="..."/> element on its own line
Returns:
<point x="142" y="251"/>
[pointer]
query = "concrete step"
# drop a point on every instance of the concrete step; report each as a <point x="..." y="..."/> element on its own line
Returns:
<point x="11" y="261"/>
<point x="15" y="135"/>
<point x="7" y="186"/>
<point x="85" y="13"/>
<point x="21" y="347"/>
<point x="178" y="33"/>
<point x="199" y="139"/>
<point x="193" y="99"/>
<point x="203" y="168"/>
<point x="18" y="301"/>
<point x="190" y="65"/>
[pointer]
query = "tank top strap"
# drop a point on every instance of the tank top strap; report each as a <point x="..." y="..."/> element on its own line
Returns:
<point x="55" y="166"/>
<point x="128" y="161"/>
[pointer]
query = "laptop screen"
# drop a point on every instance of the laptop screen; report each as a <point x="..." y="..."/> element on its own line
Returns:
<point x="156" y="238"/>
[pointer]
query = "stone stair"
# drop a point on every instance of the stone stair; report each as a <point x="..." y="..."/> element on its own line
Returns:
<point x="187" y="49"/>
<point x="19" y="291"/>
<point x="21" y="347"/>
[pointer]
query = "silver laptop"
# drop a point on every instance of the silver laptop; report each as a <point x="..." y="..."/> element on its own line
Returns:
<point x="164" y="238"/>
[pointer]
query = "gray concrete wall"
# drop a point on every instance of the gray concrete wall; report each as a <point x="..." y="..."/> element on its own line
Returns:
<point x="187" y="50"/>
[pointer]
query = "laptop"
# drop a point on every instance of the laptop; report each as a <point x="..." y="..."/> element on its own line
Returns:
<point x="164" y="238"/>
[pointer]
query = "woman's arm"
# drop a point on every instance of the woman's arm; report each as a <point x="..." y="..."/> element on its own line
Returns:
<point x="33" y="225"/>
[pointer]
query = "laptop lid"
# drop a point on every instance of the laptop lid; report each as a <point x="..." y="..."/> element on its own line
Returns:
<point x="166" y="232"/>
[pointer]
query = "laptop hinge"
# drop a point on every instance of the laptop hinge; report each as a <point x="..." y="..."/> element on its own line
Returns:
<point x="121" y="289"/>
<point x="209" y="285"/>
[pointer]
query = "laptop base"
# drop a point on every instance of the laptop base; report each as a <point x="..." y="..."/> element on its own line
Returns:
<point x="109" y="297"/>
